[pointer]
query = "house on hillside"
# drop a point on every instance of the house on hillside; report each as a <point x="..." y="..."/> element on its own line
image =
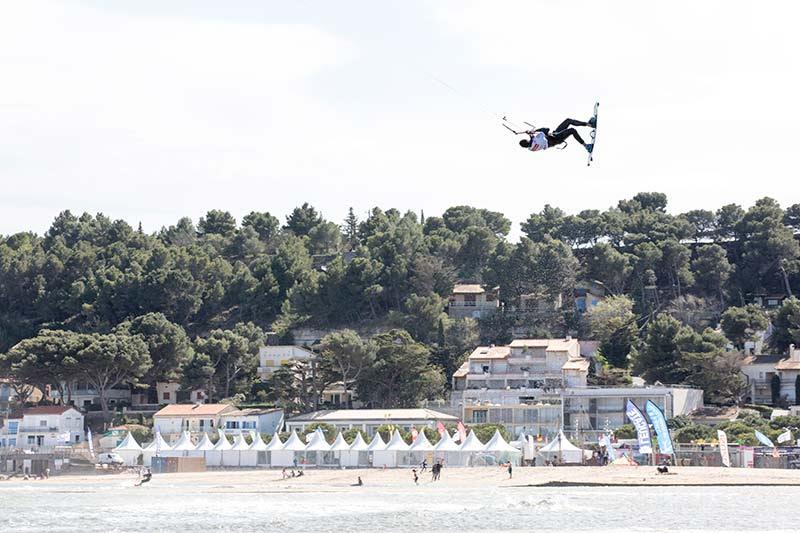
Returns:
<point x="587" y="294"/>
<point x="270" y="358"/>
<point x="471" y="300"/>
<point x="759" y="371"/>
<point x="194" y="418"/>
<point x="44" y="426"/>
<point x="252" y="419"/>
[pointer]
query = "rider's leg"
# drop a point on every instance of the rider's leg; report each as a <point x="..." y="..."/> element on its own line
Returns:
<point x="562" y="135"/>
<point x="570" y="122"/>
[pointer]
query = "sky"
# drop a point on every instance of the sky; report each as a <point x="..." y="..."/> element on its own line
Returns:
<point x="150" y="110"/>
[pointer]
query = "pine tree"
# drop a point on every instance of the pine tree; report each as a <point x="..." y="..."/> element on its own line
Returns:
<point x="350" y="229"/>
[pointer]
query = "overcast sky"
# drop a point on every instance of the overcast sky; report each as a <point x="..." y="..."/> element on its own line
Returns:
<point x="153" y="110"/>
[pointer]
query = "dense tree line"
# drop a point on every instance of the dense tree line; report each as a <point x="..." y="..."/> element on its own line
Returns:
<point x="191" y="301"/>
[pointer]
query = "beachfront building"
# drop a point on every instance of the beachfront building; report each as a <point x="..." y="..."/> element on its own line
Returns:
<point x="45" y="426"/>
<point x="369" y="420"/>
<point x="472" y="300"/>
<point x="538" y="386"/>
<point x="246" y="420"/>
<point x="271" y="357"/>
<point x="595" y="409"/>
<point x="195" y="418"/>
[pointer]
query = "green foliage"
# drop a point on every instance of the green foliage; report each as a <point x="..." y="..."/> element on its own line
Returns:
<point x="625" y="431"/>
<point x="741" y="324"/>
<point x="786" y="325"/>
<point x="402" y="374"/>
<point x="694" y="432"/>
<point x="350" y="435"/>
<point x="484" y="432"/>
<point x="613" y="323"/>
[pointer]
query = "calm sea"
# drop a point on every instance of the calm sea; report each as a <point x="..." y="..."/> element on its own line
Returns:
<point x="108" y="505"/>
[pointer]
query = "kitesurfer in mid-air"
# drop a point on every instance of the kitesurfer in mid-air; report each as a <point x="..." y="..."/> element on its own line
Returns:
<point x="543" y="138"/>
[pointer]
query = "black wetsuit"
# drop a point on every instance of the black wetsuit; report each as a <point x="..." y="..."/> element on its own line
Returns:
<point x="563" y="132"/>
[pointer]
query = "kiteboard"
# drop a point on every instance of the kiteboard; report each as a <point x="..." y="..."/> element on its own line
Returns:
<point x="593" y="133"/>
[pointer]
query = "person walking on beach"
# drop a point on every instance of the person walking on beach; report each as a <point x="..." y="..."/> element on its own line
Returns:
<point x="424" y="465"/>
<point x="510" y="470"/>
<point x="416" y="477"/>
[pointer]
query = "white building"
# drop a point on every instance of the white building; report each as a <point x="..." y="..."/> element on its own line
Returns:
<point x="524" y="364"/>
<point x="45" y="426"/>
<point x="82" y="394"/>
<point x="195" y="418"/>
<point x="267" y="421"/>
<point x="540" y="386"/>
<point x="271" y="358"/>
<point x="472" y="300"/>
<point x="369" y="420"/>
<point x="759" y="371"/>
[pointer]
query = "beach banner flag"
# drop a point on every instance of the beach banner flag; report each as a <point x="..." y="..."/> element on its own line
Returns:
<point x="440" y="428"/>
<point x="786" y="436"/>
<point x="763" y="439"/>
<point x="723" y="447"/>
<point x="660" y="424"/>
<point x="642" y="429"/>
<point x="414" y="434"/>
<point x="89" y="439"/>
<point x="462" y="431"/>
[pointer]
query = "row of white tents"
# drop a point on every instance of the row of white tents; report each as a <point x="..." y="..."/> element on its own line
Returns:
<point x="318" y="452"/>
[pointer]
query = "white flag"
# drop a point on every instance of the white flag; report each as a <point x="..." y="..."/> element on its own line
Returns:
<point x="786" y="436"/>
<point x="723" y="447"/>
<point x="91" y="444"/>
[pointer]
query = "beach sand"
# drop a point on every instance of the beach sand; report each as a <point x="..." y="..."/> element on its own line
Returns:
<point x="328" y="480"/>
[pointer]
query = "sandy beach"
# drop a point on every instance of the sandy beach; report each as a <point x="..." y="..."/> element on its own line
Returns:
<point x="322" y="480"/>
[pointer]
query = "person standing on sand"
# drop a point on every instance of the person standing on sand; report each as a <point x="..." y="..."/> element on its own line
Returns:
<point x="416" y="477"/>
<point x="510" y="470"/>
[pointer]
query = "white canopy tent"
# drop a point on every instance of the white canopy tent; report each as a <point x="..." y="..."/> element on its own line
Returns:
<point x="129" y="450"/>
<point x="157" y="447"/>
<point x="471" y="450"/>
<point x="286" y="455"/>
<point x="275" y="444"/>
<point x="359" y="454"/>
<point x="421" y="449"/>
<point x="561" y="450"/>
<point x="341" y="450"/>
<point x="233" y="455"/>
<point x="317" y="452"/>
<point x="202" y="447"/>
<point x="214" y="455"/>
<point x="256" y="454"/>
<point x="501" y="450"/>
<point x="395" y="452"/>
<point x="182" y="446"/>
<point x="447" y="450"/>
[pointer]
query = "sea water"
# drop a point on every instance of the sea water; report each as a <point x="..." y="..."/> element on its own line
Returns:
<point x="108" y="505"/>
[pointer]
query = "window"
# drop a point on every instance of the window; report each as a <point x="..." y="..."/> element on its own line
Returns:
<point x="479" y="417"/>
<point x="469" y="300"/>
<point x="13" y="427"/>
<point x="31" y="439"/>
<point x="202" y="423"/>
<point x="42" y="423"/>
<point x="166" y="396"/>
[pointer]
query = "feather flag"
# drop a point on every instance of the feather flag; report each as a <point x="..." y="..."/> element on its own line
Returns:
<point x="440" y="428"/>
<point x="91" y="444"/>
<point x="786" y="436"/>
<point x="723" y="447"/>
<point x="642" y="428"/>
<point x="414" y="433"/>
<point x="763" y="439"/>
<point x="462" y="431"/>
